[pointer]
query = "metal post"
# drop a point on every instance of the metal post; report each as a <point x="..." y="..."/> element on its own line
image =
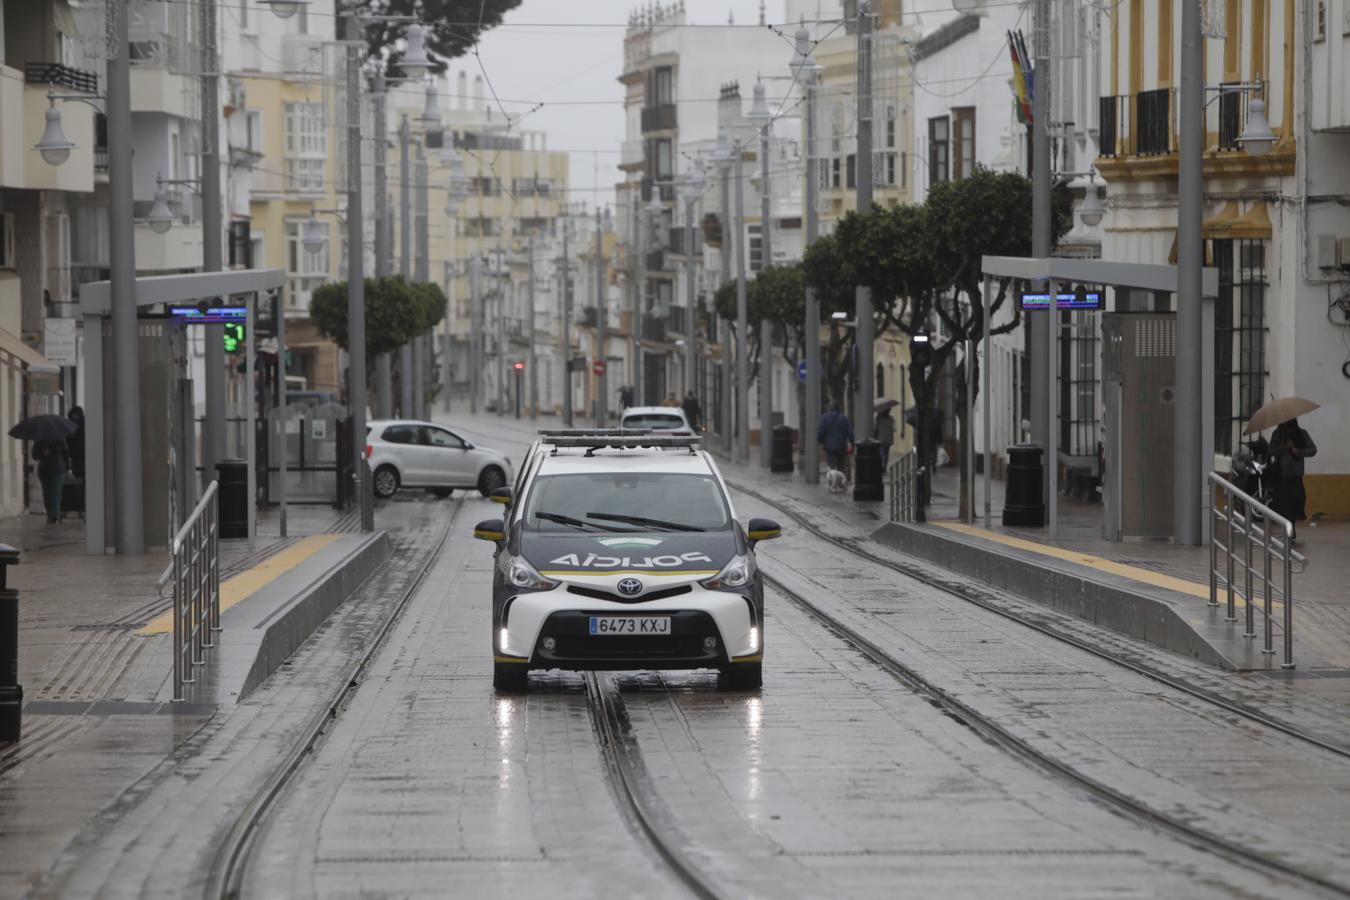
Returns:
<point x="422" y="272"/>
<point x="1267" y="588"/>
<point x="601" y="327"/>
<point x="1189" y="423"/>
<point x="356" y="284"/>
<point x="638" y="272"/>
<point x="213" y="437"/>
<point x="690" y="292"/>
<point x="865" y="333"/>
<point x="812" y="301"/>
<point x="988" y="402"/>
<point x="281" y="406"/>
<point x="728" y="243"/>
<point x="968" y="439"/>
<point x="126" y="418"/>
<point x="1051" y="382"/>
<point x="765" y="327"/>
<point x="499" y="301"/>
<point x="567" y="325"/>
<point x="384" y="401"/>
<point x="534" y="357"/>
<point x="1288" y="600"/>
<point x="742" y="392"/>
<point x="475" y="335"/>
<point x="405" y="237"/>
<point x="1247" y="596"/>
<point x="251" y="418"/>
<point x="1041" y="186"/>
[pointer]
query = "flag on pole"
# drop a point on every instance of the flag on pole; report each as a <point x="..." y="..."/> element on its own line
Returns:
<point x="1022" y="76"/>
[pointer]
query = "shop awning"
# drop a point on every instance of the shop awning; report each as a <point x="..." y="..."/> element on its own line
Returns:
<point x="25" y="354"/>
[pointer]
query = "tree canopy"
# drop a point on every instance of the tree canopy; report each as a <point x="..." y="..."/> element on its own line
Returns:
<point x="451" y="26"/>
<point x="396" y="312"/>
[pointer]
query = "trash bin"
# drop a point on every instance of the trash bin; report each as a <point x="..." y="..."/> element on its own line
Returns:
<point x="1023" y="501"/>
<point x="11" y="692"/>
<point x="232" y="502"/>
<point x="867" y="474"/>
<point x="780" y="453"/>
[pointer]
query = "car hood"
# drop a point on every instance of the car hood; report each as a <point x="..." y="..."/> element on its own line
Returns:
<point x="581" y="557"/>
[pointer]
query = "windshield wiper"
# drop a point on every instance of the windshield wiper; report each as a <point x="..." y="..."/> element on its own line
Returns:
<point x="641" y="520"/>
<point x="574" y="522"/>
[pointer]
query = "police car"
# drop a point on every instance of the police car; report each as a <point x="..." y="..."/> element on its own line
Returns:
<point x="617" y="553"/>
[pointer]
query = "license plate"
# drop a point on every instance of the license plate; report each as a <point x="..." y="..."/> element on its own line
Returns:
<point x="624" y="625"/>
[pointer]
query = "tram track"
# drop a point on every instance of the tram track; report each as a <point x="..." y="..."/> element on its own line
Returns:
<point x="1156" y="675"/>
<point x="229" y="866"/>
<point x="999" y="735"/>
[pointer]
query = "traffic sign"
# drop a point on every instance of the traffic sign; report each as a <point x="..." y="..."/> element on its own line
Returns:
<point x="598" y="367"/>
<point x="801" y="371"/>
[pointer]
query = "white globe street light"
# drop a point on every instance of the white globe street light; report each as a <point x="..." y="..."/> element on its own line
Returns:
<point x="415" y="62"/>
<point x="967" y="7"/>
<point x="313" y="236"/>
<point x="1257" y="138"/>
<point x="284" y="9"/>
<point x="1090" y="210"/>
<point x="759" y="113"/>
<point x="160" y="218"/>
<point x="431" y="112"/>
<point x="55" y="147"/>
<point x="803" y="63"/>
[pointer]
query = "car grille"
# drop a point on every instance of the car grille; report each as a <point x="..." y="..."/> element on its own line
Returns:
<point x="597" y="594"/>
<point x="663" y="647"/>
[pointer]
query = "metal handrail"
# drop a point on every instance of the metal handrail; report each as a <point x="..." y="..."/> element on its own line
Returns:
<point x="1236" y="519"/>
<point x="196" y="588"/>
<point x="902" y="485"/>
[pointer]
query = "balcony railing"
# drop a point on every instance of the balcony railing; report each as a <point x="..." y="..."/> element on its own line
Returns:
<point x="1232" y="117"/>
<point x="658" y="118"/>
<point x="58" y="75"/>
<point x="656" y="260"/>
<point x="677" y="244"/>
<point x="101" y="160"/>
<point x="654" y="328"/>
<point x="1142" y="124"/>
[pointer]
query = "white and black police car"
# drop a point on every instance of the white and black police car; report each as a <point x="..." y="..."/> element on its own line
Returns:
<point x="622" y="551"/>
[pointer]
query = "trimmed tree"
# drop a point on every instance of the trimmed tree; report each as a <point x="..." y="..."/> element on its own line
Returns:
<point x="450" y="27"/>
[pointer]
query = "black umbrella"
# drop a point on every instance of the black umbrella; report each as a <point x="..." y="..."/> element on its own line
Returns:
<point x="44" y="428"/>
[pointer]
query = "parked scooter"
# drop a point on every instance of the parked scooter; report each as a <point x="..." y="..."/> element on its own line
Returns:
<point x="1252" y="471"/>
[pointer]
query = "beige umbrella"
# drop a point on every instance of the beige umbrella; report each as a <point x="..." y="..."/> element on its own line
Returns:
<point x="1278" y="411"/>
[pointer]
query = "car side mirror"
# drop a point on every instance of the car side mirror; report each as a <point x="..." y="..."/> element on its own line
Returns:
<point x="493" y="530"/>
<point x="468" y="446"/>
<point x="502" y="495"/>
<point x="762" y="530"/>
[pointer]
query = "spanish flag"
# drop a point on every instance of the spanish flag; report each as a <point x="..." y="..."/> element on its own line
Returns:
<point x="1023" y="78"/>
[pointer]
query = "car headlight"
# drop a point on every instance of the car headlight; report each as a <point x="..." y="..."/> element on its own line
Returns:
<point x="735" y="575"/>
<point x="523" y="576"/>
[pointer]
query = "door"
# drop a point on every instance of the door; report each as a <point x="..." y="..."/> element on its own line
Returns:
<point x="405" y="445"/>
<point x="448" y="462"/>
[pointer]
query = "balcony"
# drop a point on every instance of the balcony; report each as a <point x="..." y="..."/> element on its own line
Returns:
<point x="656" y="260"/>
<point x="57" y="75"/>
<point x="658" y="118"/>
<point x="1143" y="124"/>
<point x="654" y="329"/>
<point x="677" y="243"/>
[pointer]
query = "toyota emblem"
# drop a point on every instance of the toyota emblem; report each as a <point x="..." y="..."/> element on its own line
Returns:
<point x="630" y="587"/>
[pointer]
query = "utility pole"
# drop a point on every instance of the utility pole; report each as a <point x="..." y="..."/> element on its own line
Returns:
<point x="690" y="198"/>
<point x="534" y="358"/>
<point x="423" y="275"/>
<point x="637" y="284"/>
<point x="475" y="335"/>
<point x="742" y="321"/>
<point x="765" y="327"/>
<point x="213" y="441"/>
<point x="405" y="355"/>
<point x="1187" y="454"/>
<point x="1039" y="340"/>
<point x="567" y="324"/>
<point x="601" y="327"/>
<point x="865" y="332"/>
<point x="356" y="285"/>
<point x="808" y="71"/>
<point x="500" y="298"/>
<point x="728" y="226"/>
<point x="383" y="364"/>
<point x="127" y="421"/>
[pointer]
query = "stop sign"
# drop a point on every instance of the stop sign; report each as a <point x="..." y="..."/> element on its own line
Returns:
<point x="598" y="367"/>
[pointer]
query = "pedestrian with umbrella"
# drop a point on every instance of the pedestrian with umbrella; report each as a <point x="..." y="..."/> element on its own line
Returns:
<point x="48" y="435"/>
<point x="1290" y="445"/>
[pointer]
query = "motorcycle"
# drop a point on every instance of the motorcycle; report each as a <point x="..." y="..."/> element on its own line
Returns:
<point x="1252" y="471"/>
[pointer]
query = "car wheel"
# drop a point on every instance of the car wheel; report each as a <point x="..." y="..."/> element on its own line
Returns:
<point x="442" y="493"/>
<point x="386" y="482"/>
<point x="510" y="678"/>
<point x="491" y="479"/>
<point x="741" y="677"/>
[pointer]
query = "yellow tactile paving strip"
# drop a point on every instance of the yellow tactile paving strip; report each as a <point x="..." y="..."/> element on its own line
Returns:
<point x="249" y="582"/>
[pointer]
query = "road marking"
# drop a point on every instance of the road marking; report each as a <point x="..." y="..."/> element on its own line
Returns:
<point x="250" y="581"/>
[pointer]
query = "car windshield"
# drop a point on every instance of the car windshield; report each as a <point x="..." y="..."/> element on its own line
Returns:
<point x="686" y="501"/>
<point x="657" y="421"/>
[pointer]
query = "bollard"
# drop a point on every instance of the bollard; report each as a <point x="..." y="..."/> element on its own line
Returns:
<point x="780" y="455"/>
<point x="11" y="692"/>
<point x="233" y="503"/>
<point x="867" y="483"/>
<point x="1023" y="504"/>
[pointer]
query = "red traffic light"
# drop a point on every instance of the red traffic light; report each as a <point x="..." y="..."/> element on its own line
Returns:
<point x="518" y="366"/>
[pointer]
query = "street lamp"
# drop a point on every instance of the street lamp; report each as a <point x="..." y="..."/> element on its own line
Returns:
<point x="1257" y="138"/>
<point x="415" y="62"/>
<point x="55" y="147"/>
<point x="284" y="9"/>
<point x="160" y="218"/>
<point x="807" y="71"/>
<point x="313" y="236"/>
<point x="431" y="113"/>
<point x="1090" y="210"/>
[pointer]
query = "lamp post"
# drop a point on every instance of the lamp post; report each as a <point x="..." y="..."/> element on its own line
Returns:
<point x="213" y="438"/>
<point x="456" y="193"/>
<point x="865" y="334"/>
<point x="742" y="319"/>
<point x="760" y="116"/>
<point x="805" y="69"/>
<point x="691" y="193"/>
<point x="566" y="324"/>
<point x="356" y="281"/>
<point x="722" y="159"/>
<point x="601" y="327"/>
<point x="384" y="400"/>
<point x="405" y="238"/>
<point x="422" y="273"/>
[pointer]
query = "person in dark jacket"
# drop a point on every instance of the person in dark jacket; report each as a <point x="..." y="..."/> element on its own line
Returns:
<point x="75" y="443"/>
<point x="53" y="461"/>
<point x="692" y="411"/>
<point x="885" y="432"/>
<point x="1290" y="445"/>
<point x="836" y="433"/>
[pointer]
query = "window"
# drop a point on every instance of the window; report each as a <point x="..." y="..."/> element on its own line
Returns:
<point x="964" y="121"/>
<point x="480" y="226"/>
<point x="306" y="146"/>
<point x="1239" y="338"/>
<point x="439" y="437"/>
<point x="938" y="137"/>
<point x="253" y="130"/>
<point x="693" y="500"/>
<point x="852" y="180"/>
<point x="1320" y="26"/>
<point x="834" y="172"/>
<point x="401" y="434"/>
<point x="890" y="127"/>
<point x="661" y="86"/>
<point x="305" y="271"/>
<point x="756" y="245"/>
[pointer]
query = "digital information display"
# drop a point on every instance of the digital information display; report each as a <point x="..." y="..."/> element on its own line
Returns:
<point x="212" y="315"/>
<point x="1040" y="300"/>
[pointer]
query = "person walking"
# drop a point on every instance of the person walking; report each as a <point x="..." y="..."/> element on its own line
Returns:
<point x="836" y="434"/>
<point x="53" y="462"/>
<point x="75" y="443"/>
<point x="1290" y="445"/>
<point x="885" y="432"/>
<point x="692" y="411"/>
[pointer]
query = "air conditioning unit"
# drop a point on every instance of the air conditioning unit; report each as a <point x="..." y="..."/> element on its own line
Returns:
<point x="7" y="260"/>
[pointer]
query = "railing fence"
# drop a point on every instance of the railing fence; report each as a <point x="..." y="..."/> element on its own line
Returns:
<point x="902" y="477"/>
<point x="196" y="589"/>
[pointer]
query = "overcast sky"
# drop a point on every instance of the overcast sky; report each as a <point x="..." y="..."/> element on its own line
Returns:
<point x="527" y="60"/>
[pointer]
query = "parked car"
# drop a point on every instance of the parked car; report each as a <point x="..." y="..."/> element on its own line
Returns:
<point x="660" y="419"/>
<point x="406" y="453"/>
